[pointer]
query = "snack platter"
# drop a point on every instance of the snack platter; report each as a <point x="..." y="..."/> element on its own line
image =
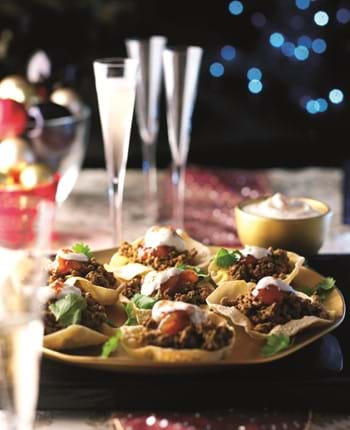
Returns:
<point x="246" y="350"/>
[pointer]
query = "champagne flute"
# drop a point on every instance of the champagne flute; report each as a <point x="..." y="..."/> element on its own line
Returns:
<point x="148" y="53"/>
<point x="181" y="71"/>
<point x="25" y="234"/>
<point x="115" y="80"/>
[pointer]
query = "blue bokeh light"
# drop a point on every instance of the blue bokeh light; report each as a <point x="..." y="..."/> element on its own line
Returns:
<point x="301" y="53"/>
<point x="319" y="46"/>
<point x="343" y="15"/>
<point x="276" y="40"/>
<point x="288" y="49"/>
<point x="323" y="105"/>
<point x="228" y="52"/>
<point x="216" y="70"/>
<point x="336" y="96"/>
<point x="302" y="4"/>
<point x="254" y="73"/>
<point x="312" y="106"/>
<point x="255" y="86"/>
<point x="305" y="41"/>
<point x="321" y="18"/>
<point x="258" y="19"/>
<point x="235" y="7"/>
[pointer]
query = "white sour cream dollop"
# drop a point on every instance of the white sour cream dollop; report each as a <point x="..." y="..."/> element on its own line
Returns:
<point x="153" y="280"/>
<point x="67" y="254"/>
<point x="255" y="251"/>
<point x="48" y="292"/>
<point x="269" y="280"/>
<point x="280" y="206"/>
<point x="196" y="314"/>
<point x="163" y="236"/>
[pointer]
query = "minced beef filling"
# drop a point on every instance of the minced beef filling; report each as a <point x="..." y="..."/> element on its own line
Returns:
<point x="251" y="269"/>
<point x="188" y="293"/>
<point x="207" y="336"/>
<point x="93" y="316"/>
<point x="266" y="317"/>
<point x="92" y="271"/>
<point x="174" y="257"/>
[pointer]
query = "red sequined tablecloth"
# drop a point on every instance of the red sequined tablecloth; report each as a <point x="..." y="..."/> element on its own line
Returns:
<point x="211" y="196"/>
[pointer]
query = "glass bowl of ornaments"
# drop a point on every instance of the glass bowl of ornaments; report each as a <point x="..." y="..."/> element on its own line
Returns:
<point x="43" y="139"/>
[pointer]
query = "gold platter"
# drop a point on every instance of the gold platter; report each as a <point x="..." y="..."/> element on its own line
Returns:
<point x="246" y="351"/>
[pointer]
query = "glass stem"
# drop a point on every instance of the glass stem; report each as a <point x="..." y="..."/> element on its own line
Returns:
<point x="150" y="179"/>
<point x="115" y="192"/>
<point x="178" y="181"/>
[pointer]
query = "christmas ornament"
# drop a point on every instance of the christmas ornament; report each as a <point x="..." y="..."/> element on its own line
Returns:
<point x="17" y="88"/>
<point x="13" y="118"/>
<point x="34" y="175"/>
<point x="15" y="153"/>
<point x="68" y="98"/>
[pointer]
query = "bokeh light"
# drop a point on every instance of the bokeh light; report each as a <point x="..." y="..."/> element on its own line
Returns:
<point x="305" y="41"/>
<point x="302" y="4"/>
<point x="321" y="18"/>
<point x="336" y="96"/>
<point x="301" y="53"/>
<point x="254" y="73"/>
<point x="255" y="86"/>
<point x="235" y="7"/>
<point x="343" y="15"/>
<point x="319" y="46"/>
<point x="276" y="40"/>
<point x="288" y="49"/>
<point x="312" y="106"/>
<point x="216" y="70"/>
<point x="323" y="104"/>
<point x="228" y="52"/>
<point x="258" y="19"/>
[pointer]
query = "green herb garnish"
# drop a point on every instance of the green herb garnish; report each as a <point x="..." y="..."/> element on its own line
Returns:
<point x="82" y="248"/>
<point x="111" y="345"/>
<point x="144" y="302"/>
<point x="226" y="258"/>
<point x="68" y="310"/>
<point x="275" y="343"/>
<point x="197" y="270"/>
<point x="322" y="289"/>
<point x="131" y="315"/>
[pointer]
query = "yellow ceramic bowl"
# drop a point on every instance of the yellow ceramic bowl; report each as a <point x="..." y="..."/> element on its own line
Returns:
<point x="304" y="236"/>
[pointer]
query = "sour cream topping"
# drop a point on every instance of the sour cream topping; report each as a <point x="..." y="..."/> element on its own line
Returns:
<point x="153" y="280"/>
<point x="163" y="307"/>
<point x="163" y="236"/>
<point x="255" y="251"/>
<point x="280" y="206"/>
<point x="269" y="280"/>
<point x="67" y="254"/>
<point x="49" y="292"/>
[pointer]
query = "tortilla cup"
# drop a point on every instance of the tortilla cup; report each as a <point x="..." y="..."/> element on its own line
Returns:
<point x="140" y="314"/>
<point x="233" y="289"/>
<point x="103" y="296"/>
<point x="172" y="355"/>
<point x="201" y="260"/>
<point x="221" y="274"/>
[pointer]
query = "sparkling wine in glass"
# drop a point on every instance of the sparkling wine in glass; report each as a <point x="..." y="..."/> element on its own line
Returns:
<point x="181" y="71"/>
<point x="116" y="86"/>
<point x="149" y="54"/>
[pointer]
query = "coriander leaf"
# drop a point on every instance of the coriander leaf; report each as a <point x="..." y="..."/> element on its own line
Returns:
<point x="111" y="344"/>
<point x="82" y="248"/>
<point x="144" y="302"/>
<point x="275" y="343"/>
<point x="198" y="271"/>
<point x="225" y="258"/>
<point x="130" y="313"/>
<point x="307" y="290"/>
<point x="68" y="310"/>
<point x="324" y="287"/>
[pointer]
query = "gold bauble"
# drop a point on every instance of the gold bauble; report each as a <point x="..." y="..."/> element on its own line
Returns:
<point x="17" y="88"/>
<point x="34" y="175"/>
<point x="68" y="98"/>
<point x="15" y="152"/>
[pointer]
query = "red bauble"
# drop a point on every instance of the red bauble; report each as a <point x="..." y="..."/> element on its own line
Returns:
<point x="13" y="118"/>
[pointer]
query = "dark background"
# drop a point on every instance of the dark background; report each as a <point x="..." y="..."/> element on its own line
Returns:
<point x="231" y="126"/>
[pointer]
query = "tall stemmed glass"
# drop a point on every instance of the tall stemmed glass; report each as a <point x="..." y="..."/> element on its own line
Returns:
<point x="25" y="233"/>
<point x="116" y="86"/>
<point x="149" y="55"/>
<point x="181" y="71"/>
